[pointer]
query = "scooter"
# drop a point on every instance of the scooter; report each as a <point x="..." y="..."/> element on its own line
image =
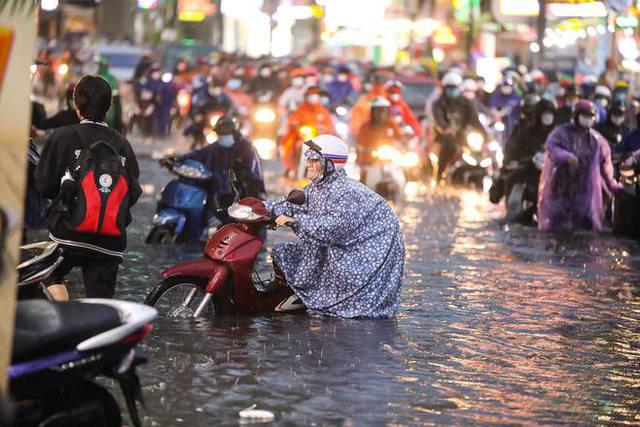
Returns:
<point x="180" y="213"/>
<point x="387" y="175"/>
<point x="522" y="199"/>
<point x="224" y="281"/>
<point x="626" y="207"/>
<point x="59" y="348"/>
<point x="32" y="271"/>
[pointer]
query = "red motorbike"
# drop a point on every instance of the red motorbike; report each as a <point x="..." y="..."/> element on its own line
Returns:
<point x="224" y="281"/>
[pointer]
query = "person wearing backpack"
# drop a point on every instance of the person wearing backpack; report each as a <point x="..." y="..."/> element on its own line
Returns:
<point x="91" y="173"/>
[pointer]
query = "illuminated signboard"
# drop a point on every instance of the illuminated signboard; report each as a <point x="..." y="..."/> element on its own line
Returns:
<point x="583" y="9"/>
<point x="444" y="36"/>
<point x="195" y="10"/>
<point x="519" y="7"/>
<point x="147" y="4"/>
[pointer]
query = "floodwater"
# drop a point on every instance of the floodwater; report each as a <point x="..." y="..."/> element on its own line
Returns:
<point x="498" y="325"/>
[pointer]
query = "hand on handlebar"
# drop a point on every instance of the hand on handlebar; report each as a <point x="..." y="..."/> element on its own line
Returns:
<point x="284" y="221"/>
<point x="167" y="161"/>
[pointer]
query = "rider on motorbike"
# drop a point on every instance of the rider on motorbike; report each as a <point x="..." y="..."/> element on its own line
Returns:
<point x="264" y="82"/>
<point x="341" y="224"/>
<point x="310" y="114"/>
<point x="380" y="130"/>
<point x="614" y="128"/>
<point x="341" y="89"/>
<point x="399" y="108"/>
<point x="211" y="98"/>
<point x="505" y="103"/>
<point x="570" y="96"/>
<point x="293" y="95"/>
<point x="360" y="113"/>
<point x="231" y="152"/>
<point x="453" y="115"/>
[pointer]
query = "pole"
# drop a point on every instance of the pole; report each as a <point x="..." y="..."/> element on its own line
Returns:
<point x="542" y="27"/>
<point x="472" y="19"/>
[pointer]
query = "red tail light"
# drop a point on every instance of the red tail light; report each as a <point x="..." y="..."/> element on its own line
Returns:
<point x="139" y="335"/>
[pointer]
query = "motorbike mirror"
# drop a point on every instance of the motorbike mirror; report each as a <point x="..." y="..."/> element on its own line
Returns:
<point x="233" y="181"/>
<point x="297" y="197"/>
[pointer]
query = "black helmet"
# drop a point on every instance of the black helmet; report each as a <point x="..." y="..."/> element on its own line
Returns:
<point x="618" y="107"/>
<point x="528" y="104"/>
<point x="226" y="125"/>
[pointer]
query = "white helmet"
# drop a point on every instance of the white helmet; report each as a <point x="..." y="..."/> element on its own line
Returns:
<point x="332" y="148"/>
<point x="602" y="90"/>
<point x="470" y="85"/>
<point x="380" y="102"/>
<point x="452" y="79"/>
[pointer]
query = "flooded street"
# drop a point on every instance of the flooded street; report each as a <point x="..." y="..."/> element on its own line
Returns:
<point x="498" y="324"/>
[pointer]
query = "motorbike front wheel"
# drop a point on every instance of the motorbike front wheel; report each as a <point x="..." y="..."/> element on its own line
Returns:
<point x="160" y="234"/>
<point x="179" y="297"/>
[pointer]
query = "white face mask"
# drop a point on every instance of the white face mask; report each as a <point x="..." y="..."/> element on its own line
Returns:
<point x="547" y="119"/>
<point x="226" y="140"/>
<point x="327" y="78"/>
<point x="506" y="90"/>
<point x="586" y="121"/>
<point x="343" y="77"/>
<point x="313" y="99"/>
<point x="265" y="72"/>
<point x="617" y="120"/>
<point x="297" y="82"/>
<point x="394" y="97"/>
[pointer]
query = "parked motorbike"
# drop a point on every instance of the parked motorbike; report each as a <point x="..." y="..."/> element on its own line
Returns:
<point x="180" y="212"/>
<point x="225" y="280"/>
<point x="264" y="126"/>
<point x="522" y="180"/>
<point x="626" y="207"/>
<point x="60" y="348"/>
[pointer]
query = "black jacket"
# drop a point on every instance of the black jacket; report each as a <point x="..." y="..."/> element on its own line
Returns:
<point x="613" y="134"/>
<point x="457" y="114"/>
<point x="59" y="154"/>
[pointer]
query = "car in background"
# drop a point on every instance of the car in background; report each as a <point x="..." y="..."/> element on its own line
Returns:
<point x="416" y="91"/>
<point x="122" y="58"/>
<point x="191" y="52"/>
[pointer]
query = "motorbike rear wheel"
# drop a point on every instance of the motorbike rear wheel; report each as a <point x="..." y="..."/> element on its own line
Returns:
<point x="179" y="297"/>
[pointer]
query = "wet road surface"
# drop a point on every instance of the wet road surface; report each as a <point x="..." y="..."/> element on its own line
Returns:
<point x="498" y="325"/>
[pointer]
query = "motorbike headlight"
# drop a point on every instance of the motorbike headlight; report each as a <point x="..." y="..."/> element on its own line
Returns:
<point x="167" y="77"/>
<point x="211" y="137"/>
<point x="63" y="69"/>
<point x="307" y="132"/>
<point x="486" y="162"/>
<point x="243" y="213"/>
<point x="499" y="126"/>
<point x="475" y="141"/>
<point x="266" y="148"/>
<point x="385" y="152"/>
<point x="213" y="120"/>
<point x="184" y="98"/>
<point x="265" y="115"/>
<point x="410" y="160"/>
<point x="469" y="159"/>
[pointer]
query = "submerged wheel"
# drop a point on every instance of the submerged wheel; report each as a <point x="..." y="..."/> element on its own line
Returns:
<point x="159" y="235"/>
<point x="179" y="297"/>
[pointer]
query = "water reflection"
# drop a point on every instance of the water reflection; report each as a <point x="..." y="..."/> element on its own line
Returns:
<point x="499" y="324"/>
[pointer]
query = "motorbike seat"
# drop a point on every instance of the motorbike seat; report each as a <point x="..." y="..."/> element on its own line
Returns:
<point x="47" y="327"/>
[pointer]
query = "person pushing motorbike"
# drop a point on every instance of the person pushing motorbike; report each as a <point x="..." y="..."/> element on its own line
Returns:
<point x="341" y="224"/>
<point x="231" y="153"/>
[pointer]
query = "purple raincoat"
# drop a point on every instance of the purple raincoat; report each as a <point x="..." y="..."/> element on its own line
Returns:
<point x="570" y="196"/>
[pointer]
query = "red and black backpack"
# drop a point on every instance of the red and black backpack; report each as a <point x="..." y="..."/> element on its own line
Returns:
<point x="102" y="197"/>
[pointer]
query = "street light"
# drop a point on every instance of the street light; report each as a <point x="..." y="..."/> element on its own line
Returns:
<point x="49" y="5"/>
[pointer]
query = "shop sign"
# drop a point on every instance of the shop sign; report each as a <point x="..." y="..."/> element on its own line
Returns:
<point x="195" y="10"/>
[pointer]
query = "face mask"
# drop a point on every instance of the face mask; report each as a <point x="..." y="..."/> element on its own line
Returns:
<point x="395" y="97"/>
<point x="620" y="96"/>
<point x="586" y="121"/>
<point x="297" y="82"/>
<point x="325" y="101"/>
<point x="547" y="119"/>
<point x="234" y="84"/>
<point x="452" y="92"/>
<point x="226" y="140"/>
<point x="155" y="75"/>
<point x="506" y="90"/>
<point x="343" y="78"/>
<point x="265" y="72"/>
<point x="215" y="91"/>
<point x="617" y="120"/>
<point x="313" y="99"/>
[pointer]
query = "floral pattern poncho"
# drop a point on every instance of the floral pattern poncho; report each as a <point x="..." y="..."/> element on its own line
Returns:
<point x="350" y="261"/>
